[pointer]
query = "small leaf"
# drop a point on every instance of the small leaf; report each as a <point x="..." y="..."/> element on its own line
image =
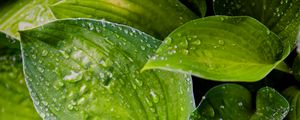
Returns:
<point x="15" y="102"/>
<point x="22" y="14"/>
<point x="292" y="94"/>
<point x="221" y="48"/>
<point x="88" y="69"/>
<point x="232" y="101"/>
<point x="280" y="16"/>
<point x="156" y="17"/>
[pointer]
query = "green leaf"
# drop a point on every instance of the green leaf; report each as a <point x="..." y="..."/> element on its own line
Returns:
<point x="292" y="94"/>
<point x="280" y="16"/>
<point x="88" y="69"/>
<point x="296" y="68"/>
<point x="221" y="48"/>
<point x="156" y="17"/>
<point x="15" y="102"/>
<point x="22" y="14"/>
<point x="198" y="6"/>
<point x="296" y="62"/>
<point x="232" y="102"/>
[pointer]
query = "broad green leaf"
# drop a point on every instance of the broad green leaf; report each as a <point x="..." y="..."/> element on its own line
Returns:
<point x="88" y="69"/>
<point x="292" y="94"/>
<point x="221" y="48"/>
<point x="198" y="6"/>
<point x="280" y="16"/>
<point x="22" y="14"/>
<point x="232" y="102"/>
<point x="156" y="17"/>
<point x="15" y="102"/>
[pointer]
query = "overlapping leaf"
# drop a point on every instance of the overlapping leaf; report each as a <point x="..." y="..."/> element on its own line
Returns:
<point x="23" y="14"/>
<point x="198" y="6"/>
<point x="156" y="17"/>
<point x="221" y="48"/>
<point x="15" y="102"/>
<point x="292" y="94"/>
<point x="88" y="69"/>
<point x="232" y="102"/>
<point x="280" y="16"/>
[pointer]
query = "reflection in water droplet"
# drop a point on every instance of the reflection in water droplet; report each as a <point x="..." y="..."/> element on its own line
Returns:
<point x="73" y="77"/>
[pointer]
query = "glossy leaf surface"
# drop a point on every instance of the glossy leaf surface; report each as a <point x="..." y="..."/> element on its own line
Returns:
<point x="22" y="14"/>
<point x="232" y="101"/>
<point x="89" y="69"/>
<point x="292" y="94"/>
<point x="221" y="48"/>
<point x="156" y="17"/>
<point x="280" y="16"/>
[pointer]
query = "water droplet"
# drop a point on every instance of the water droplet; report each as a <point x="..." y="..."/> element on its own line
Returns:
<point x="139" y="82"/>
<point x="44" y="53"/>
<point x="155" y="98"/>
<point x="143" y="47"/>
<point x="221" y="42"/>
<point x="148" y="102"/>
<point x="65" y="55"/>
<point x="74" y="76"/>
<point x="222" y="107"/>
<point x="33" y="56"/>
<point x="240" y="103"/>
<point x="185" y="52"/>
<point x="197" y="42"/>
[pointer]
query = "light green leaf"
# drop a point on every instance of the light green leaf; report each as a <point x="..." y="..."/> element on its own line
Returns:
<point x="15" y="102"/>
<point x="280" y="16"/>
<point x="221" y="48"/>
<point x="22" y="14"/>
<point x="156" y="17"/>
<point x="232" y="102"/>
<point x="292" y="94"/>
<point x="88" y="69"/>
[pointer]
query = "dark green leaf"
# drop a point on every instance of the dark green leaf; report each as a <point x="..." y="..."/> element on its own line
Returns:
<point x="23" y="14"/>
<point x="280" y="16"/>
<point x="198" y="6"/>
<point x="221" y="48"/>
<point x="292" y="94"/>
<point x="88" y="69"/>
<point x="15" y="102"/>
<point x="156" y="17"/>
<point x="232" y="102"/>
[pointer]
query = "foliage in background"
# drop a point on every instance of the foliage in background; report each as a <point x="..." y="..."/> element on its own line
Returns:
<point x="83" y="68"/>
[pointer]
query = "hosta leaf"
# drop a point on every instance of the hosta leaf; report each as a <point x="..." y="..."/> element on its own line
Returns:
<point x="156" y="17"/>
<point x="296" y="68"/>
<point x="292" y="94"/>
<point x="15" y="102"/>
<point x="88" y="69"/>
<point x="198" y="6"/>
<point x="232" y="102"/>
<point x="221" y="48"/>
<point x="296" y="64"/>
<point x="280" y="16"/>
<point x="23" y="14"/>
